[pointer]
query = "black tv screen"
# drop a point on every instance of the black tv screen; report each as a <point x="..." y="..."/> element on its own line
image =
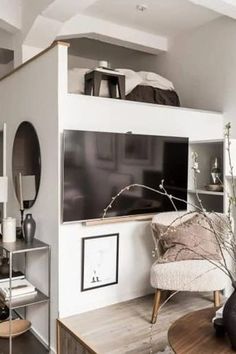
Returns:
<point x="97" y="165"/>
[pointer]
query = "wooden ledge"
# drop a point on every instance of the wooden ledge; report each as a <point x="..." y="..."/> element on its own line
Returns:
<point x="54" y="44"/>
<point x="113" y="220"/>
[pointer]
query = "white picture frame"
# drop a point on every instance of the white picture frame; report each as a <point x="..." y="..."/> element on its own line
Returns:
<point x="100" y="261"/>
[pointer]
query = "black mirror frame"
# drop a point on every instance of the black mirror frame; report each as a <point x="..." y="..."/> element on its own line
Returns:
<point x="23" y="129"/>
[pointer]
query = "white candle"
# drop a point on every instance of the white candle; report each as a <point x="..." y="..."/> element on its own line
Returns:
<point x="9" y="230"/>
<point x="21" y="192"/>
<point x="103" y="64"/>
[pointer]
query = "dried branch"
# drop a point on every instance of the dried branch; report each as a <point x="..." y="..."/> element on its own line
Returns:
<point x="222" y="230"/>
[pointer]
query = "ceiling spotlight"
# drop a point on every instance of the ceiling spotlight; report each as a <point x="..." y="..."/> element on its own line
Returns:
<point x="141" y="7"/>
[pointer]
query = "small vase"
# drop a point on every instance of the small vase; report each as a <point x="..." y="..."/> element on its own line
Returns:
<point x="4" y="312"/>
<point x="229" y="317"/>
<point x="29" y="227"/>
<point x="4" y="268"/>
<point x="216" y="172"/>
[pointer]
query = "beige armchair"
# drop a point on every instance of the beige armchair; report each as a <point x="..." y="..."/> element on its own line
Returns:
<point x="187" y="275"/>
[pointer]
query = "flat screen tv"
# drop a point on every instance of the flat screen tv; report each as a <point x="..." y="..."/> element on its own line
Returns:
<point x="97" y="165"/>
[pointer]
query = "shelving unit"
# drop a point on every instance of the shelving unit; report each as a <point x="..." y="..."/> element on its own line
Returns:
<point x="207" y="150"/>
<point x="20" y="247"/>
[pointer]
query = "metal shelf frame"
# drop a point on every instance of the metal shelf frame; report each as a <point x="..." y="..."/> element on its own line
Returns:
<point x="21" y="247"/>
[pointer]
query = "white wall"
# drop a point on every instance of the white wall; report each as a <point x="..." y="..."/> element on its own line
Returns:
<point x="86" y="53"/>
<point x="202" y="66"/>
<point x="5" y="68"/>
<point x="100" y="114"/>
<point x="6" y="39"/>
<point x="31" y="94"/>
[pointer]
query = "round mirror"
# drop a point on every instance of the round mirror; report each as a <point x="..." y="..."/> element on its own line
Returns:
<point x="26" y="165"/>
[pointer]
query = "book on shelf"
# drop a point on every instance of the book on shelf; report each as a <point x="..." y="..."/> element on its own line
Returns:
<point x="18" y="297"/>
<point x="15" y="275"/>
<point x="19" y="287"/>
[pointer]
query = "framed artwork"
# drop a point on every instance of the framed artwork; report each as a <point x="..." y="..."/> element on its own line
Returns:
<point x="118" y="181"/>
<point x="135" y="149"/>
<point x="100" y="261"/>
<point x="105" y="150"/>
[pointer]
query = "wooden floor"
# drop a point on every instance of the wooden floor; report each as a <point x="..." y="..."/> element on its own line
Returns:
<point x="125" y="328"/>
<point x="25" y="344"/>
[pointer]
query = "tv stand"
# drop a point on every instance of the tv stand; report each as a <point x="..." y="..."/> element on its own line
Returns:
<point x="118" y="219"/>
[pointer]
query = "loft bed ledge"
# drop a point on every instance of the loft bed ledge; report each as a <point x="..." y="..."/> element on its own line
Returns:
<point x="160" y="106"/>
<point x="54" y="44"/>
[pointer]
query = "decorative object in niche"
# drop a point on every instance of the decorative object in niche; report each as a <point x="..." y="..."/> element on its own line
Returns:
<point x="216" y="172"/>
<point x="26" y="166"/>
<point x="217" y="185"/>
<point x="100" y="259"/>
<point x="29" y="227"/>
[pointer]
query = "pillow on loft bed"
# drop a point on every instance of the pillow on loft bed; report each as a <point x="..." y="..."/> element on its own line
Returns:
<point x="155" y="80"/>
<point x="132" y="79"/>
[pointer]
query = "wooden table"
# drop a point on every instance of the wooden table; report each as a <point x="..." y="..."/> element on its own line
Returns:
<point x="194" y="334"/>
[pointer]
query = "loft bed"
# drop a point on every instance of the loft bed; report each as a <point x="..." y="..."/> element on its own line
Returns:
<point x="147" y="87"/>
<point x="79" y="111"/>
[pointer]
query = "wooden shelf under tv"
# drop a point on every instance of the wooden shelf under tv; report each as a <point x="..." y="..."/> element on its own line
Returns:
<point x="117" y="219"/>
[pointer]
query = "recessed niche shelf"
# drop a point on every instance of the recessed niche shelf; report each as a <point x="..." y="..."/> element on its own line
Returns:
<point x="203" y="191"/>
<point x="206" y="150"/>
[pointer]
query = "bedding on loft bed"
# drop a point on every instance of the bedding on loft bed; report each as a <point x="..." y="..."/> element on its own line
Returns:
<point x="140" y="86"/>
<point x="150" y="94"/>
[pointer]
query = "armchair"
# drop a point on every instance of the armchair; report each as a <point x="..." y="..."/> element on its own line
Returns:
<point x="187" y="275"/>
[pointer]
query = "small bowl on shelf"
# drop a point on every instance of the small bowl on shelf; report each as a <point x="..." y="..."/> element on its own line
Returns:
<point x="214" y="187"/>
<point x="18" y="327"/>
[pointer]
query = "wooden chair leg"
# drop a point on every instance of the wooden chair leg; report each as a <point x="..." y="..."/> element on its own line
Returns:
<point x="217" y="300"/>
<point x="156" y="305"/>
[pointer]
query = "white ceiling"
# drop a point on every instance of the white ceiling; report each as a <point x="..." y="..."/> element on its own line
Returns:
<point x="163" y="17"/>
<point x="37" y="23"/>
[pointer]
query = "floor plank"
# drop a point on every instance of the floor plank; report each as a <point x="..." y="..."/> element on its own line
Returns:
<point x="125" y="328"/>
<point x="26" y="343"/>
